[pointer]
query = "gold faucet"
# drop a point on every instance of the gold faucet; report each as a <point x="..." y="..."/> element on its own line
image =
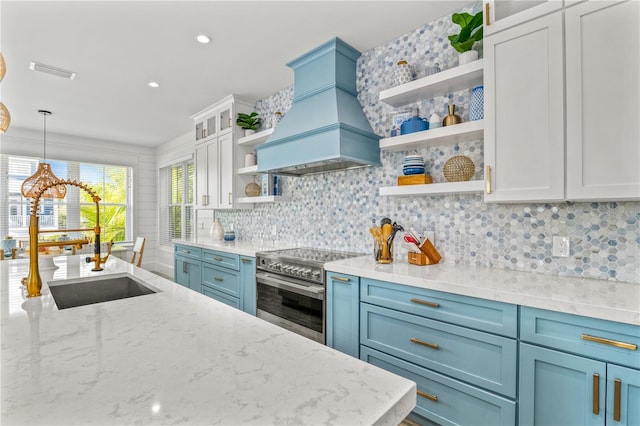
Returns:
<point x="33" y="282"/>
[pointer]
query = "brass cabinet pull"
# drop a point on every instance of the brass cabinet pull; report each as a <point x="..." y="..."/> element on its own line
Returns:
<point x="205" y="200"/>
<point x="344" y="280"/>
<point x="229" y="199"/>
<point x="427" y="344"/>
<point x="487" y="21"/>
<point x="184" y="267"/>
<point x="424" y="302"/>
<point x="186" y="251"/>
<point x="218" y="279"/>
<point x="433" y="398"/>
<point x="615" y="343"/>
<point x="596" y="393"/>
<point x="246" y="260"/>
<point x="616" y="399"/>
<point x="488" y="174"/>
<point x="218" y="258"/>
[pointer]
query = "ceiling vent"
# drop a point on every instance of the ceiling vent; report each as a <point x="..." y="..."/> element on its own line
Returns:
<point x="35" y="66"/>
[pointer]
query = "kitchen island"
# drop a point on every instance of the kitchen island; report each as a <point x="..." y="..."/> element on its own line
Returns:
<point x="173" y="357"/>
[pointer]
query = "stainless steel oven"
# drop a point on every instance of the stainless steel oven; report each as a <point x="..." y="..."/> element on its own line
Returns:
<point x="291" y="289"/>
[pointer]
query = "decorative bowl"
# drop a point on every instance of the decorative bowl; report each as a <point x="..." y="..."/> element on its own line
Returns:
<point x="413" y="170"/>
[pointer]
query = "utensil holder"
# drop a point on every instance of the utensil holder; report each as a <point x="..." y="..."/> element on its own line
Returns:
<point x="382" y="254"/>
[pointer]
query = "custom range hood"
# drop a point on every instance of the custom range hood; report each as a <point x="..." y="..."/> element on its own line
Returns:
<point x="325" y="129"/>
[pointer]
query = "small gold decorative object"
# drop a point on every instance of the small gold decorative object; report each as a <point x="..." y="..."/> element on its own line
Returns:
<point x="452" y="118"/>
<point x="5" y="118"/>
<point x="458" y="169"/>
<point x="3" y="67"/>
<point x="252" y="189"/>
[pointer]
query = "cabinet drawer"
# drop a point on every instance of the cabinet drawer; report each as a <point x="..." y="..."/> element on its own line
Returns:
<point x="220" y="258"/>
<point x="479" y="358"/>
<point x="485" y="315"/>
<point x="221" y="297"/>
<point x="190" y="252"/>
<point x="606" y="340"/>
<point x="445" y="400"/>
<point x="221" y="279"/>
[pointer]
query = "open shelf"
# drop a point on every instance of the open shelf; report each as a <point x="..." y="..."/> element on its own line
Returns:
<point x="435" y="188"/>
<point x="263" y="199"/>
<point x="449" y="135"/>
<point x="251" y="170"/>
<point x="256" y="138"/>
<point x="464" y="76"/>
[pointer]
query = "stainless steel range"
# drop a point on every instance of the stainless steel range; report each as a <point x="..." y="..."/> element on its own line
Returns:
<point x="291" y="288"/>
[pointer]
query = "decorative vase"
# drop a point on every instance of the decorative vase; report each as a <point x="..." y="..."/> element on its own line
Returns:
<point x="277" y="116"/>
<point x="250" y="159"/>
<point x="476" y="104"/>
<point x="452" y="118"/>
<point x="216" y="231"/>
<point x="402" y="73"/>
<point x="435" y="121"/>
<point x="248" y="132"/>
<point x="468" y="56"/>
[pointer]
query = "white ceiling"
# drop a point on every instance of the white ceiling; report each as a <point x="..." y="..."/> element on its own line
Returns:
<point x="116" y="47"/>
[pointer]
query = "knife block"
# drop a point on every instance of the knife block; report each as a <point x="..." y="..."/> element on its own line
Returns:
<point x="420" y="259"/>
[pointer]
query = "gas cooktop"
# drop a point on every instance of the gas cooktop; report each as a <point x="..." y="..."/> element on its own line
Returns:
<point x="308" y="254"/>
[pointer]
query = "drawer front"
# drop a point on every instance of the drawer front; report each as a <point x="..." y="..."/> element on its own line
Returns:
<point x="190" y="252"/>
<point x="444" y="400"/>
<point x="478" y="358"/>
<point x="221" y="279"/>
<point x="221" y="297"/>
<point x="485" y="315"/>
<point x="601" y="339"/>
<point x="220" y="258"/>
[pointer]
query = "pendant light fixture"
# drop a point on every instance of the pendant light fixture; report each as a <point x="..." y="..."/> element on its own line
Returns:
<point x="44" y="176"/>
<point x="5" y="117"/>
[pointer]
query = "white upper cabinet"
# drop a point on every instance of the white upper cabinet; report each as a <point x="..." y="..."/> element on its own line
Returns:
<point x="217" y="158"/>
<point x="502" y="14"/>
<point x="524" y="112"/>
<point x="603" y="94"/>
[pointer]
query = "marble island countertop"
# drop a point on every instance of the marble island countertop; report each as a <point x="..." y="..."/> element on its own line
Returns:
<point x="610" y="300"/>
<point x="173" y="357"/>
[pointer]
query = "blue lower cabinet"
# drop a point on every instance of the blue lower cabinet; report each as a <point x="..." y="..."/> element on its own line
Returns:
<point x="342" y="322"/>
<point x="557" y="388"/>
<point x="482" y="359"/>
<point x="220" y="296"/>
<point x="187" y="272"/>
<point x="248" y="284"/>
<point x="623" y="396"/>
<point x="444" y="400"/>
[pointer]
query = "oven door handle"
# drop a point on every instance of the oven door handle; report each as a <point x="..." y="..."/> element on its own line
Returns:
<point x="267" y="279"/>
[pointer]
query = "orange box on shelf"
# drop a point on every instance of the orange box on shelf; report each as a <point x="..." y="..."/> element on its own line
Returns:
<point x="414" y="179"/>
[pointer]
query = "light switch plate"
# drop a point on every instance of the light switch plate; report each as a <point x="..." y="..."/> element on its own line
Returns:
<point x="561" y="246"/>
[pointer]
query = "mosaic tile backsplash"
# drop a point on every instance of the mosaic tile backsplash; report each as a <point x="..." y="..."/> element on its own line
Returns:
<point x="334" y="210"/>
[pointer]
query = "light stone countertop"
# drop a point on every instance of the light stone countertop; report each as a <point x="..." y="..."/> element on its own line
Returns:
<point x="241" y="247"/>
<point x="608" y="300"/>
<point x="173" y="357"/>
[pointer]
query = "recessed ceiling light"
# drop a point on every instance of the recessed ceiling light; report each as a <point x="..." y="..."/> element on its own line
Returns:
<point x="204" y="39"/>
<point x="153" y="84"/>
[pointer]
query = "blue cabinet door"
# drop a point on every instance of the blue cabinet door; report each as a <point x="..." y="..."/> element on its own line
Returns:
<point x="343" y="313"/>
<point x="248" y="284"/>
<point x="557" y="388"/>
<point x="187" y="273"/>
<point x="623" y="396"/>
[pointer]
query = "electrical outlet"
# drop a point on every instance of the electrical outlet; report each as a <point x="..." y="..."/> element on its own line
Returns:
<point x="561" y="246"/>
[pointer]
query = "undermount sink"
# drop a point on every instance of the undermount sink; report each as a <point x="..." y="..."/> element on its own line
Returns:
<point x="72" y="293"/>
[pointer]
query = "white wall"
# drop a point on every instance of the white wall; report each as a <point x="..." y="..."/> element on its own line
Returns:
<point x="73" y="148"/>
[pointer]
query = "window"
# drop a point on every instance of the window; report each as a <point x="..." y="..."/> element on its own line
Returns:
<point x="176" y="183"/>
<point x="77" y="210"/>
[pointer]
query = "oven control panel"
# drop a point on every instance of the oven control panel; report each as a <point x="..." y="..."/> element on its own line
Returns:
<point x="291" y="269"/>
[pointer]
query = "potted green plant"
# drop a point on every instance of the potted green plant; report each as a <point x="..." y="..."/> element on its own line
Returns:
<point x="470" y="33"/>
<point x="249" y="122"/>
